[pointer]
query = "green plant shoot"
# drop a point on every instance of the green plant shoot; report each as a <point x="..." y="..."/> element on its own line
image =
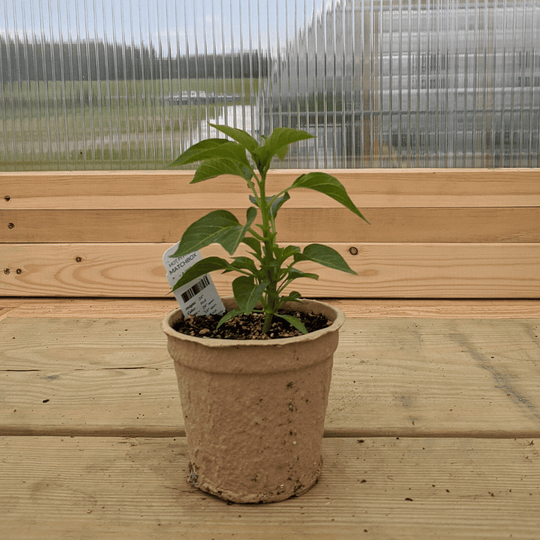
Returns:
<point x="265" y="276"/>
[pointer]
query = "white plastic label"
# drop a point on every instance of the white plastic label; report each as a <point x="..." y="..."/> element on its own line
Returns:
<point x="198" y="297"/>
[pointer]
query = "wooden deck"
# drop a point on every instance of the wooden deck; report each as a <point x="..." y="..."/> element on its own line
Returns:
<point x="432" y="431"/>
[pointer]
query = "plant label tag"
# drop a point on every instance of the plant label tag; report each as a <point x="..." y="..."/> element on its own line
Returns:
<point x="198" y="297"/>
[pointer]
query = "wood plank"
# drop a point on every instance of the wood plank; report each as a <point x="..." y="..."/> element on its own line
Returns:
<point x="4" y="312"/>
<point x="238" y="199"/>
<point x="313" y="224"/>
<point x="438" y="309"/>
<point x="73" y="488"/>
<point x="102" y="308"/>
<point x="149" y="308"/>
<point x="384" y="270"/>
<point x="44" y="189"/>
<point x="392" y="377"/>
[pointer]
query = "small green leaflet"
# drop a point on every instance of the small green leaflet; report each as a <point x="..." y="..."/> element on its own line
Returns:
<point x="281" y="137"/>
<point x="229" y="315"/>
<point x="294" y="273"/>
<point x="293" y="296"/>
<point x="293" y="321"/>
<point x="247" y="294"/>
<point x="276" y="205"/>
<point x="245" y="263"/>
<point x="254" y="244"/>
<point x="282" y="254"/>
<point x="278" y="144"/>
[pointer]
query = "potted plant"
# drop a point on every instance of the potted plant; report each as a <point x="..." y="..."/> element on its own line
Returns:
<point x="254" y="408"/>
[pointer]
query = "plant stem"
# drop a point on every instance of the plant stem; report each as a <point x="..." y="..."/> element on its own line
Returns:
<point x="271" y="301"/>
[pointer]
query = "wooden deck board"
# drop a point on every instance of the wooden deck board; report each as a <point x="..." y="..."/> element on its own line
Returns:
<point x="46" y="189"/>
<point x="415" y="377"/>
<point x="150" y="308"/>
<point x="78" y="488"/>
<point x="433" y="425"/>
<point x="4" y="312"/>
<point x="393" y="224"/>
<point x="390" y="270"/>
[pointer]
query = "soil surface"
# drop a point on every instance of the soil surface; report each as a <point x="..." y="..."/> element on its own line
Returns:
<point x="249" y="326"/>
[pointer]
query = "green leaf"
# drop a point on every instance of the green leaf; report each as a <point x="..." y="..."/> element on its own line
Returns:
<point x="219" y="226"/>
<point x="282" y="153"/>
<point x="218" y="148"/>
<point x="211" y="168"/>
<point x="293" y="321"/>
<point x="244" y="263"/>
<point x="282" y="136"/>
<point x="282" y="254"/>
<point x="330" y="186"/>
<point x="228" y="316"/>
<point x="247" y="294"/>
<point x="245" y="139"/>
<point x="276" y="205"/>
<point x="294" y="273"/>
<point x="192" y="153"/>
<point x="254" y="244"/>
<point x="326" y="256"/>
<point x="251" y="214"/>
<point x="278" y="143"/>
<point x="294" y="296"/>
<point x="201" y="268"/>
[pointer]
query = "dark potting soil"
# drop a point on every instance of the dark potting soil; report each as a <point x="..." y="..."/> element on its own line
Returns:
<point x="248" y="326"/>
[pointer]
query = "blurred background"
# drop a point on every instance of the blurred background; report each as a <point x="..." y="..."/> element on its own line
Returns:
<point x="129" y="84"/>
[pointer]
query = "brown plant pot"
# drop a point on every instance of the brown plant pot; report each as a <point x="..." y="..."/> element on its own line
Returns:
<point x="254" y="410"/>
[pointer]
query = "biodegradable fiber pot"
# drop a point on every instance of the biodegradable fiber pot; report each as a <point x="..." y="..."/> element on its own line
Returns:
<point x="254" y="410"/>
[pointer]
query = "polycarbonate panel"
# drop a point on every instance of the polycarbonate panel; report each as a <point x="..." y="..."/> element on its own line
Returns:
<point x="129" y="84"/>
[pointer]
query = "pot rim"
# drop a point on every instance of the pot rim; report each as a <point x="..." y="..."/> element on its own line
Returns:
<point x="327" y="309"/>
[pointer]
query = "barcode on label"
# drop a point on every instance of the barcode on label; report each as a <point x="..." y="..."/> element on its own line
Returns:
<point x="196" y="289"/>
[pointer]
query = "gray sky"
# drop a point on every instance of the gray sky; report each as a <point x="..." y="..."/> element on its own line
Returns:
<point x="221" y="24"/>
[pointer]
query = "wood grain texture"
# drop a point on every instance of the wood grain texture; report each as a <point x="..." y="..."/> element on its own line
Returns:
<point x="454" y="396"/>
<point x="108" y="308"/>
<point x="438" y="309"/>
<point x="384" y="270"/>
<point x="46" y="189"/>
<point x="392" y="377"/>
<point x="4" y="312"/>
<point x="313" y="224"/>
<point x="94" y="488"/>
<point x="300" y="198"/>
<point x="149" y="308"/>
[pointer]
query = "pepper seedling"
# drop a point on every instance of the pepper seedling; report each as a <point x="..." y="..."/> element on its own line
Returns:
<point x="269" y="270"/>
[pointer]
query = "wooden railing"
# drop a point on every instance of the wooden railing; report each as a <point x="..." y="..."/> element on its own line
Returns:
<point x="434" y="233"/>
